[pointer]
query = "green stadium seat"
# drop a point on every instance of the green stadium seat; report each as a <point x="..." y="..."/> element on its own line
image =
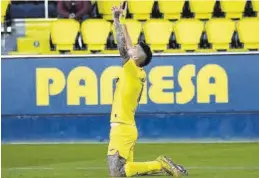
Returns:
<point x="157" y="33"/>
<point x="171" y="9"/>
<point x="248" y="31"/>
<point x="188" y="33"/>
<point x="220" y="33"/>
<point x="95" y="33"/>
<point x="141" y="10"/>
<point x="202" y="9"/>
<point x="234" y="9"/>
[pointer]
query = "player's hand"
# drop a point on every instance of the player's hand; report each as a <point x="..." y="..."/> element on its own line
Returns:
<point x="116" y="12"/>
<point x="119" y="12"/>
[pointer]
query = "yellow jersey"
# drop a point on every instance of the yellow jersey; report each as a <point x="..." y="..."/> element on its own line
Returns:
<point x="127" y="94"/>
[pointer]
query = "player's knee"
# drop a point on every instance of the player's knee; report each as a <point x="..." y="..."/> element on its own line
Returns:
<point x="116" y="165"/>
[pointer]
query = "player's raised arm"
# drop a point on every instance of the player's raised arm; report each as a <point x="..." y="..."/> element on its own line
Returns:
<point x="127" y="37"/>
<point x="125" y="30"/>
<point x="120" y="34"/>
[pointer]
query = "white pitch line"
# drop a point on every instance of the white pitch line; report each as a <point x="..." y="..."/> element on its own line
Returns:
<point x="103" y="168"/>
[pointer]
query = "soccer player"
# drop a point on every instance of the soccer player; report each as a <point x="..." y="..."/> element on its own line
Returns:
<point x="129" y="86"/>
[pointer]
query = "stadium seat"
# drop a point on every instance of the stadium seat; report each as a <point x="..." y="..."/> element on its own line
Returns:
<point x="202" y="9"/>
<point x="248" y="31"/>
<point x="234" y="8"/>
<point x="134" y="29"/>
<point x="4" y="6"/>
<point x="38" y="28"/>
<point x="255" y="4"/>
<point x="220" y="33"/>
<point x="104" y="8"/>
<point x="95" y="33"/>
<point x="64" y="33"/>
<point x="188" y="33"/>
<point x="157" y="33"/>
<point x="171" y="9"/>
<point x="37" y="37"/>
<point x="141" y="10"/>
<point x="32" y="45"/>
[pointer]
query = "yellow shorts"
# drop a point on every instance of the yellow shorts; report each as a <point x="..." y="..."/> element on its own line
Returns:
<point x="122" y="139"/>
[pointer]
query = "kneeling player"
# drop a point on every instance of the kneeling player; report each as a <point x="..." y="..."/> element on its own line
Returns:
<point x="129" y="86"/>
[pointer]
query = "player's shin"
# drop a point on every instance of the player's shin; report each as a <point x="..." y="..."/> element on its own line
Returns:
<point x="142" y="168"/>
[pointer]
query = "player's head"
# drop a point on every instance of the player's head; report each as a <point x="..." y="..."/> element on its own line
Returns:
<point x="141" y="53"/>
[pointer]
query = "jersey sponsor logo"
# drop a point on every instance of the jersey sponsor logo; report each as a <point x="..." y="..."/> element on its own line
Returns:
<point x="164" y="85"/>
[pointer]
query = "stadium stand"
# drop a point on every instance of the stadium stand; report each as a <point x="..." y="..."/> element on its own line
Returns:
<point x="63" y="37"/>
<point x="183" y="32"/>
<point x="171" y="9"/>
<point x="104" y="8"/>
<point x="202" y="9"/>
<point x="95" y="33"/>
<point x="36" y="39"/>
<point x="157" y="33"/>
<point x="248" y="30"/>
<point x="255" y="4"/>
<point x="233" y="9"/>
<point x="220" y="32"/>
<point x="27" y="9"/>
<point x="188" y="33"/>
<point x="4" y="6"/>
<point x="141" y="10"/>
<point x="134" y="29"/>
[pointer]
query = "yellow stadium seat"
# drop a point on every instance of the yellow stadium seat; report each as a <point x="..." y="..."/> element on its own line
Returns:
<point x="64" y="33"/>
<point x="141" y="10"/>
<point x="134" y="29"/>
<point x="38" y="28"/>
<point x="95" y="33"/>
<point x="255" y="4"/>
<point x="4" y="5"/>
<point x="171" y="9"/>
<point x="233" y="8"/>
<point x="202" y="9"/>
<point x="220" y="33"/>
<point x="157" y="33"/>
<point x="188" y="33"/>
<point x="31" y="45"/>
<point x="104" y="7"/>
<point x="37" y="37"/>
<point x="248" y="32"/>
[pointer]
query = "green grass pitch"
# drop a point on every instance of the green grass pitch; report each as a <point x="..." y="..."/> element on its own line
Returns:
<point x="219" y="160"/>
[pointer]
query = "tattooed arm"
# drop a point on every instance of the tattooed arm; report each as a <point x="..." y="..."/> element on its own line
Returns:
<point x="120" y="36"/>
<point x="127" y="37"/>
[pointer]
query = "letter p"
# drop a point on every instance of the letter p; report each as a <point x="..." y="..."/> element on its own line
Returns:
<point x="49" y="82"/>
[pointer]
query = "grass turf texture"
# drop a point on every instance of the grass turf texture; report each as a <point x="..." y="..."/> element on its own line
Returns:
<point x="221" y="160"/>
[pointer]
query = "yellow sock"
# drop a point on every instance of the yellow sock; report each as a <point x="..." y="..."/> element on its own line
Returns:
<point x="141" y="168"/>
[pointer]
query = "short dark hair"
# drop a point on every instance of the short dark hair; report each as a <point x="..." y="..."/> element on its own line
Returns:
<point x="148" y="53"/>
